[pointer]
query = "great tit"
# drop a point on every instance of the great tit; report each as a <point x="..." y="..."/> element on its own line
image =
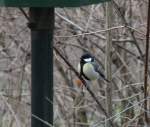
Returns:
<point x="89" y="69"/>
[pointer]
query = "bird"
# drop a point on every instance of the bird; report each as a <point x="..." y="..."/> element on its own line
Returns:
<point x="89" y="69"/>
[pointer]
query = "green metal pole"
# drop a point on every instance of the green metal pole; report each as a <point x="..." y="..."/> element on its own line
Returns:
<point x="42" y="25"/>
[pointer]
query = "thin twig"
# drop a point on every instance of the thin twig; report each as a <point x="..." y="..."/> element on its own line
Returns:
<point x="93" y="32"/>
<point x="69" y="21"/>
<point x="41" y="120"/>
<point x="24" y="13"/>
<point x="109" y="22"/>
<point x="128" y="51"/>
<point x="146" y="65"/>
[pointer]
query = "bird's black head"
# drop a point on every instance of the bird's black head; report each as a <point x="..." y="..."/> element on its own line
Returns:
<point x="87" y="57"/>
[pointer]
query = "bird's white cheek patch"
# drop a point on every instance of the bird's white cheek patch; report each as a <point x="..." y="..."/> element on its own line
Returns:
<point x="88" y="60"/>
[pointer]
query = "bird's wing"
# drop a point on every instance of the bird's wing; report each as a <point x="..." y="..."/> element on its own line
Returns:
<point x="99" y="70"/>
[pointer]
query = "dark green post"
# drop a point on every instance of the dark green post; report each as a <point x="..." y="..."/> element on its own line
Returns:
<point x="42" y="25"/>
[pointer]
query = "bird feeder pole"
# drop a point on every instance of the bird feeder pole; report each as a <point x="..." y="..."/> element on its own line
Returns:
<point x="41" y="25"/>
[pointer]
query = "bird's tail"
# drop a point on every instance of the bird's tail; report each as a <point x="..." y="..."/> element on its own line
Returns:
<point x="106" y="80"/>
<point x="103" y="76"/>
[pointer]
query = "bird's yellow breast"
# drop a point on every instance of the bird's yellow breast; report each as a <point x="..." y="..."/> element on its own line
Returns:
<point x="88" y="70"/>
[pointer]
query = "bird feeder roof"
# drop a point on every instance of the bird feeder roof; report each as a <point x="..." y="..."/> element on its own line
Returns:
<point x="48" y="3"/>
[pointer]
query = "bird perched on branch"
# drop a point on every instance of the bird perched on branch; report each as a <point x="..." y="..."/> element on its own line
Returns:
<point x="89" y="69"/>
